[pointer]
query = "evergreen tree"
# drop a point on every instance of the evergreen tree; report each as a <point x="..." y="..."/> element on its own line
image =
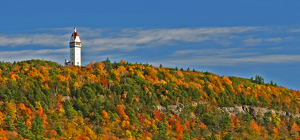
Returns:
<point x="162" y="131"/>
<point x="37" y="125"/>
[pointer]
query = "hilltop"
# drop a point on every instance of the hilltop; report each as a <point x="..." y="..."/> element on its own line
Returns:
<point x="104" y="100"/>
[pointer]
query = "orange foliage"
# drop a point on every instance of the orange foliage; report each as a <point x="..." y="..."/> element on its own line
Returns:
<point x="254" y="127"/>
<point x="121" y="112"/>
<point x="168" y="76"/>
<point x="50" y="133"/>
<point x="295" y="130"/>
<point x="117" y="79"/>
<point x="202" y="126"/>
<point x="104" y="115"/>
<point x="122" y="61"/>
<point x="187" y="124"/>
<point x="103" y="81"/>
<point x="14" y="77"/>
<point x="84" y="138"/>
<point x="3" y="134"/>
<point x="99" y="65"/>
<point x="179" y="136"/>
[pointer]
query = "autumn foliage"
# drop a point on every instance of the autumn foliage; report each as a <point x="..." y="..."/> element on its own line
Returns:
<point x="104" y="100"/>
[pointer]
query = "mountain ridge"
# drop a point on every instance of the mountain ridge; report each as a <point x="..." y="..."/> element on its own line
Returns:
<point x="44" y="100"/>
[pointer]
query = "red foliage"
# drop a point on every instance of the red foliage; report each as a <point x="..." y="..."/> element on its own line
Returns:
<point x="157" y="114"/>
<point x="146" y="133"/>
<point x="140" y="117"/>
<point x="179" y="127"/>
<point x="84" y="138"/>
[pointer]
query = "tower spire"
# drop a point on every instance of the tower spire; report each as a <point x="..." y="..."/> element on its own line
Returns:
<point x="75" y="29"/>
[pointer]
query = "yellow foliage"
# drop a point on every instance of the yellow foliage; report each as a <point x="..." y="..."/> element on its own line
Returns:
<point x="11" y="109"/>
<point x="60" y="78"/>
<point x="139" y="73"/>
<point x="72" y="130"/>
<point x="128" y="134"/>
<point x="125" y="124"/>
<point x="276" y="120"/>
<point x="89" y="133"/>
<point x="38" y="105"/>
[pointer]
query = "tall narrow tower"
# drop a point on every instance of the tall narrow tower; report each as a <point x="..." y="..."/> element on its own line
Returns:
<point x="75" y="49"/>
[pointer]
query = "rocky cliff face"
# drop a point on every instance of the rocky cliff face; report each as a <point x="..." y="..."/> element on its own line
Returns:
<point x="176" y="109"/>
<point x="253" y="111"/>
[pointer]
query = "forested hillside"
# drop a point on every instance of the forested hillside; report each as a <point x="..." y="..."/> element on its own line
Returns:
<point x="104" y="100"/>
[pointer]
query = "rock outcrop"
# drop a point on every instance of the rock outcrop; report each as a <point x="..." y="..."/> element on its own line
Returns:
<point x="253" y="111"/>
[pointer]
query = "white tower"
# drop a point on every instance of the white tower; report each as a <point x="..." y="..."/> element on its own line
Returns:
<point x="75" y="49"/>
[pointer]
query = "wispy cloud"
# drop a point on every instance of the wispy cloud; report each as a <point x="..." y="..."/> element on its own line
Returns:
<point x="238" y="61"/>
<point x="228" y="57"/>
<point x="57" y="55"/>
<point x="258" y="41"/>
<point x="231" y="40"/>
<point x="33" y="39"/>
<point x="127" y="39"/>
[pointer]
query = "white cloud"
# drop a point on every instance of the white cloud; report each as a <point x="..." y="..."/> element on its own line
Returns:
<point x="95" y="41"/>
<point x="253" y="42"/>
<point x="277" y="39"/>
<point x="259" y="41"/>
<point x="33" y="39"/>
<point x="131" y="39"/>
<point x="57" y="55"/>
<point x="226" y="61"/>
<point x="126" y="39"/>
<point x="230" y="52"/>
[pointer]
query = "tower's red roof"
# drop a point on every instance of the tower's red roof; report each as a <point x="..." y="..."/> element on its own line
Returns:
<point x="74" y="35"/>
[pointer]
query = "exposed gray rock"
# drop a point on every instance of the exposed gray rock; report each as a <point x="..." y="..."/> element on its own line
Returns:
<point x="161" y="108"/>
<point x="253" y="111"/>
<point x="66" y="98"/>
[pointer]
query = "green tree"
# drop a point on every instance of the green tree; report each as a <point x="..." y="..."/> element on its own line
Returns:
<point x="9" y="123"/>
<point x="162" y="131"/>
<point x="225" y="121"/>
<point x="23" y="129"/>
<point x="37" y="125"/>
<point x="59" y="131"/>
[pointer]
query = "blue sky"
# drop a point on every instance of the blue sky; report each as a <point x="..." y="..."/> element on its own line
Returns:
<point x="231" y="38"/>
